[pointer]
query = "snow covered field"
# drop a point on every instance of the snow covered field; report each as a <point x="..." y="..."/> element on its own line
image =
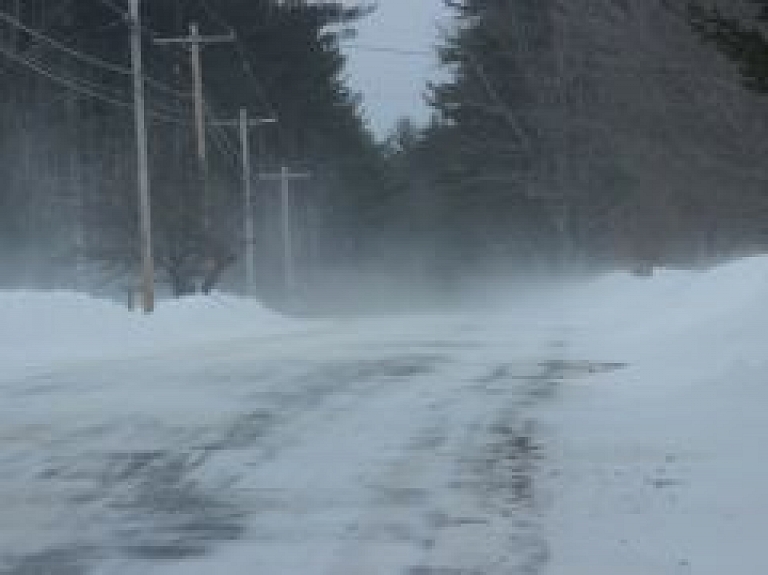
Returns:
<point x="613" y="427"/>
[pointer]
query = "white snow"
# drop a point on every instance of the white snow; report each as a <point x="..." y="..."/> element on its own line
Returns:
<point x="378" y="454"/>
<point x="661" y="466"/>
<point x="45" y="330"/>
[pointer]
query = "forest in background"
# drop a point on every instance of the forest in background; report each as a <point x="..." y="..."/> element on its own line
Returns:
<point x="570" y="135"/>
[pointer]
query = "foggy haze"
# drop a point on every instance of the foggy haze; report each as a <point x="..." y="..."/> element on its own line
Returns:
<point x="479" y="290"/>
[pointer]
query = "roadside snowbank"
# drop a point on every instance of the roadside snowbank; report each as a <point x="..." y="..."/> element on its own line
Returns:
<point x="39" y="330"/>
<point x="659" y="468"/>
<point x="656" y="469"/>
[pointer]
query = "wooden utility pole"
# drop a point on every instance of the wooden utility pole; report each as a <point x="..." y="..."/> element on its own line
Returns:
<point x="244" y="123"/>
<point x="145" y="217"/>
<point x="194" y="41"/>
<point x="76" y="192"/>
<point x="289" y="264"/>
<point x="564" y="217"/>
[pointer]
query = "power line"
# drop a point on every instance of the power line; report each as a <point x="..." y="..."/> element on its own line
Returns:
<point x="389" y="50"/>
<point x="219" y="137"/>
<point x="153" y="34"/>
<point x="242" y="52"/>
<point x="123" y="13"/>
<point x="86" y="58"/>
<point x="103" y="64"/>
<point x="77" y="86"/>
<point x="88" y="84"/>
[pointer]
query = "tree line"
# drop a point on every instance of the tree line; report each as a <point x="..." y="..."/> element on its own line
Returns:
<point x="67" y="143"/>
<point x="587" y="134"/>
<point x="569" y="135"/>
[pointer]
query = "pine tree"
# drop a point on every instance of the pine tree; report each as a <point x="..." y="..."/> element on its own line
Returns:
<point x="286" y="63"/>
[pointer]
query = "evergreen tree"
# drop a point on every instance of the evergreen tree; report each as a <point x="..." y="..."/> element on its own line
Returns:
<point x="498" y="125"/>
<point x="286" y="63"/>
<point x="590" y="130"/>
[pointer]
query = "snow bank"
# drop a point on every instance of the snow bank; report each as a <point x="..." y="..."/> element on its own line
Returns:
<point x="670" y="304"/>
<point x="656" y="469"/>
<point x="39" y="330"/>
<point x="660" y="467"/>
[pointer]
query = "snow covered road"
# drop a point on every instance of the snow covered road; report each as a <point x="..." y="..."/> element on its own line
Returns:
<point x="612" y="427"/>
<point x="413" y="450"/>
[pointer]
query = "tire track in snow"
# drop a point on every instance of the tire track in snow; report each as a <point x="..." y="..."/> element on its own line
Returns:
<point x="463" y="498"/>
<point x="150" y="501"/>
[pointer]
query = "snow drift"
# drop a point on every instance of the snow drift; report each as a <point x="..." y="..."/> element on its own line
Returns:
<point x="653" y="469"/>
<point x="660" y="467"/>
<point x="39" y="330"/>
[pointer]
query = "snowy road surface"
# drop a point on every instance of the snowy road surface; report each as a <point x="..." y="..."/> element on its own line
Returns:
<point x="609" y="428"/>
<point x="412" y="450"/>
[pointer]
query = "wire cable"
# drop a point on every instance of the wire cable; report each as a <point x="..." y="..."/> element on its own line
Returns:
<point x="388" y="50"/>
<point x="76" y="86"/>
<point x="242" y="51"/>
<point x="97" y="62"/>
<point x="86" y="58"/>
<point x="219" y="137"/>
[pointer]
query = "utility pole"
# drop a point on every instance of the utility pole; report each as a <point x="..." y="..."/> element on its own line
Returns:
<point x="145" y="217"/>
<point x="244" y="123"/>
<point x="564" y="217"/>
<point x="289" y="264"/>
<point x="76" y="192"/>
<point x="194" y="41"/>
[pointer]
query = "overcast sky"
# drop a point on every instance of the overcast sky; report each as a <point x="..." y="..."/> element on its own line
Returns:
<point x="393" y="84"/>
